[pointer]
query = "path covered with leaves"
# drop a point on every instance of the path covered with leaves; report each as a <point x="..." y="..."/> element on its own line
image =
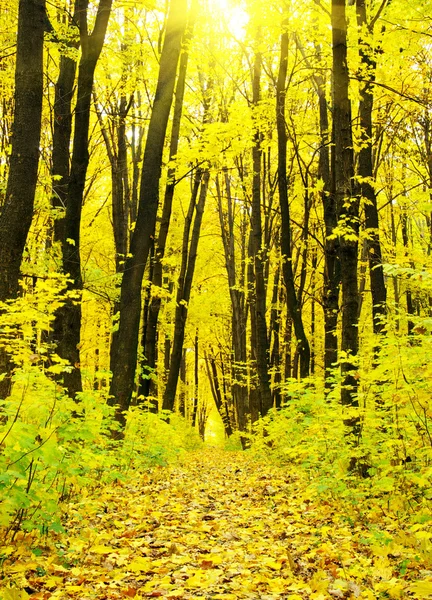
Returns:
<point x="218" y="526"/>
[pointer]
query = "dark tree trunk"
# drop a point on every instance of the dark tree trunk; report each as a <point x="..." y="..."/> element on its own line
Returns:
<point x="62" y="132"/>
<point x="147" y="385"/>
<point x="288" y="370"/>
<point x="182" y="395"/>
<point x="196" y="381"/>
<point x="67" y="325"/>
<point x="258" y="255"/>
<point x="331" y="259"/>
<point x="408" y="293"/>
<point x="189" y="254"/>
<point x="238" y="304"/>
<point x="275" y="356"/>
<point x="17" y="210"/>
<point x="217" y="392"/>
<point x="294" y="307"/>
<point x="366" y="173"/>
<point x="314" y="261"/>
<point x="347" y="203"/>
<point x="124" y="356"/>
<point x="254" y="396"/>
<point x="116" y="145"/>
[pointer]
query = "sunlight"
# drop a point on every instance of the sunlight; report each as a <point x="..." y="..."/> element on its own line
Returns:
<point x="234" y="17"/>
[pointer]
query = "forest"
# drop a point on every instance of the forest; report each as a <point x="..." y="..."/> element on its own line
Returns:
<point x="215" y="299"/>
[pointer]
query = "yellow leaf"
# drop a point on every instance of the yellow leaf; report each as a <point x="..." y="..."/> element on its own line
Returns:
<point x="422" y="589"/>
<point x="53" y="582"/>
<point x="139" y="564"/>
<point x="203" y="579"/>
<point x="14" y="594"/>
<point x="21" y="567"/>
<point x="101" y="549"/>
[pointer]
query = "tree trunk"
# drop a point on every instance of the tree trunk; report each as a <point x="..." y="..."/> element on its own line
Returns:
<point x="147" y="385"/>
<point x="189" y="254"/>
<point x="347" y="203"/>
<point x="67" y="325"/>
<point x="123" y="362"/>
<point x="216" y="390"/>
<point x="275" y="355"/>
<point x="196" y="382"/>
<point x="182" y="396"/>
<point x="366" y="173"/>
<point x="258" y="253"/>
<point x="238" y="304"/>
<point x="17" y="210"/>
<point x="62" y="133"/>
<point x="331" y="258"/>
<point x="293" y="305"/>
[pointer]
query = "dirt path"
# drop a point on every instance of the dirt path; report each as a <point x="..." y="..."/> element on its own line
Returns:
<point x="220" y="526"/>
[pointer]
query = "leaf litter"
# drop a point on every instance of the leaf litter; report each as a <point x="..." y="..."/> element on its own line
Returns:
<point x="217" y="526"/>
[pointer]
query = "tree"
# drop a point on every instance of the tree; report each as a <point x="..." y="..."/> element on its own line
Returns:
<point x="189" y="255"/>
<point x="347" y="204"/>
<point x="67" y="327"/>
<point x="257" y="254"/>
<point x="294" y="309"/>
<point x="17" y="210"/>
<point x="150" y="339"/>
<point x="366" y="164"/>
<point x="125" y="355"/>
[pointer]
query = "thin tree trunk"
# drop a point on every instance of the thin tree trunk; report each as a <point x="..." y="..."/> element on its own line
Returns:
<point x="238" y="305"/>
<point x="189" y="255"/>
<point x="123" y="363"/>
<point x="275" y="358"/>
<point x="408" y="293"/>
<point x="366" y="173"/>
<point x="182" y="395"/>
<point x="216" y="390"/>
<point x="196" y="381"/>
<point x="258" y="252"/>
<point x="294" y="307"/>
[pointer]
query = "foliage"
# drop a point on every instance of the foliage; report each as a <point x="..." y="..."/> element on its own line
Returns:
<point x="53" y="448"/>
<point x="220" y="525"/>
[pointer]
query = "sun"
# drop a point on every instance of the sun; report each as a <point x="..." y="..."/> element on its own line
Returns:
<point x="234" y="16"/>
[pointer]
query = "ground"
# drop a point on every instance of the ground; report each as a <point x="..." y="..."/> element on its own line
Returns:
<point x="216" y="525"/>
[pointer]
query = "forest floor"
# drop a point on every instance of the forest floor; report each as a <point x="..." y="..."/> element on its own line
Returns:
<point x="218" y="525"/>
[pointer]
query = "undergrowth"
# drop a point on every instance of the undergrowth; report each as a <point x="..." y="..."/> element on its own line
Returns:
<point x="308" y="435"/>
<point x="51" y="447"/>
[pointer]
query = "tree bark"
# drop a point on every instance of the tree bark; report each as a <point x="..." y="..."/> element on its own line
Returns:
<point x="196" y="382"/>
<point x="217" y="392"/>
<point x="294" y="307"/>
<point x="147" y="385"/>
<point x="347" y="203"/>
<point x="67" y="325"/>
<point x="189" y="254"/>
<point x="366" y="173"/>
<point x="17" y="210"/>
<point x="62" y="132"/>
<point x="124" y="356"/>
<point x="238" y="304"/>
<point x="258" y="251"/>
